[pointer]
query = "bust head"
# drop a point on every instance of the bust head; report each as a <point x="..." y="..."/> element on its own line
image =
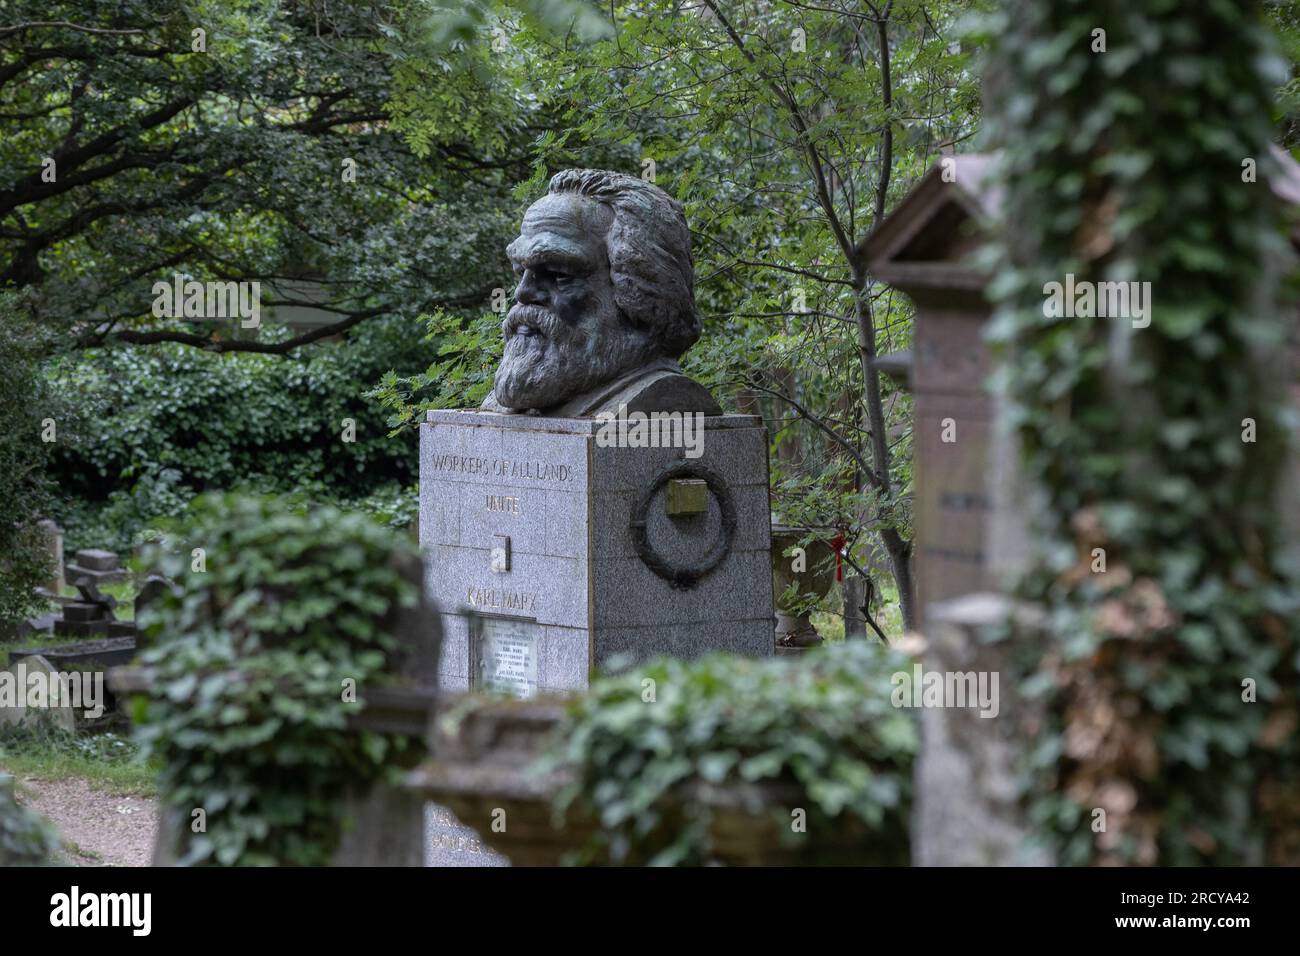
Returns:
<point x="606" y="286"/>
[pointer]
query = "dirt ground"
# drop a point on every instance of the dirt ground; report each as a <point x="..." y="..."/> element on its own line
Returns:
<point x="99" y="828"/>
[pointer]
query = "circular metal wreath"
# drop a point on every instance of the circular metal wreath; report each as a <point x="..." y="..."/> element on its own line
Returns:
<point x="685" y="576"/>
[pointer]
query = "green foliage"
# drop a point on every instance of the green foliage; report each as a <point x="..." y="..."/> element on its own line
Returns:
<point x="27" y="404"/>
<point x="40" y="748"/>
<point x="248" y="713"/>
<point x="177" y="421"/>
<point x="1284" y="17"/>
<point x="25" y="838"/>
<point x="460" y="377"/>
<point x="780" y="129"/>
<point x="391" y="505"/>
<point x="228" y="163"/>
<point x="1128" y="165"/>
<point x="451" y="22"/>
<point x="823" y="723"/>
<point x="38" y="735"/>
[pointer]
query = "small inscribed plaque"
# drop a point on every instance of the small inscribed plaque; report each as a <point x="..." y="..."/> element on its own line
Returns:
<point x="506" y="656"/>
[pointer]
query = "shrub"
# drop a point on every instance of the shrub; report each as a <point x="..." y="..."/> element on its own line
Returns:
<point x="172" y="422"/>
<point x="823" y="723"/>
<point x="248" y="711"/>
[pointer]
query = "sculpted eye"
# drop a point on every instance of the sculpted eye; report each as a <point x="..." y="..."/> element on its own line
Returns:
<point x="557" y="275"/>
<point x="548" y="274"/>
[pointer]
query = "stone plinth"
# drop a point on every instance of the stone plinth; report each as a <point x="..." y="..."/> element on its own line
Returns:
<point x="550" y="554"/>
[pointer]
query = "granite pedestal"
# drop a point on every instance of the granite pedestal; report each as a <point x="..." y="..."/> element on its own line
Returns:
<point x="550" y="555"/>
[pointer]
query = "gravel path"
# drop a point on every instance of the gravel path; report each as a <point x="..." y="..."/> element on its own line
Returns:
<point x="99" y="828"/>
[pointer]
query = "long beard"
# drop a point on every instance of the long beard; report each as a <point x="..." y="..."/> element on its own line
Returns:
<point x="547" y="361"/>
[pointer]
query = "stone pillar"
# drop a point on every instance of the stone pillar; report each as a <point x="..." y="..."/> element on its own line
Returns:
<point x="54" y="543"/>
<point x="966" y="811"/>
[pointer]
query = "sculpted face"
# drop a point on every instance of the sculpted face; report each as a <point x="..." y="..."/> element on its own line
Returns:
<point x="565" y="333"/>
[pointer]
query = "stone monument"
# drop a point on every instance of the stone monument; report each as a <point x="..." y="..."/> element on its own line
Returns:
<point x="599" y="504"/>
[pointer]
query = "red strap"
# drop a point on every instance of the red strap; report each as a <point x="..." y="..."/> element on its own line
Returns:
<point x="838" y="544"/>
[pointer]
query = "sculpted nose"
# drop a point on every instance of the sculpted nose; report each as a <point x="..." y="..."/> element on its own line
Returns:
<point x="528" y="292"/>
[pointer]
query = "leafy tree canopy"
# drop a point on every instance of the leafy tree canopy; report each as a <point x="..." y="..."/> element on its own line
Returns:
<point x="145" y="138"/>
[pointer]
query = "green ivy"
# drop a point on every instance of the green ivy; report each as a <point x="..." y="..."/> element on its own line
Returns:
<point x="248" y="712"/>
<point x="823" y="722"/>
<point x="1127" y="165"/>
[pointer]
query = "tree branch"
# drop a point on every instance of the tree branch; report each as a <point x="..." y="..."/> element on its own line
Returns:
<point x="826" y="429"/>
<point x="805" y="140"/>
<point x="207" y="342"/>
<point x="37" y="25"/>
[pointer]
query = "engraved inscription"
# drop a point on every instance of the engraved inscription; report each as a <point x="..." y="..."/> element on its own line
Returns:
<point x="507" y="656"/>
<point x="455" y="837"/>
<point x="507" y="504"/>
<point x="502" y="468"/>
<point x="501" y="599"/>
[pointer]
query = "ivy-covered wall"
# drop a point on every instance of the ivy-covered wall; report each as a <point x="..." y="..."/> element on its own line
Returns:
<point x="1130" y="130"/>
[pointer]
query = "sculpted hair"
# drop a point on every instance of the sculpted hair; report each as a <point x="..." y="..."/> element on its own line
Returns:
<point x="649" y="247"/>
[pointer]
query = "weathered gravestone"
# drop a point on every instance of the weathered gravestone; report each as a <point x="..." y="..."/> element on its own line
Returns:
<point x="97" y="566"/>
<point x="598" y="504"/>
<point x="91" y="614"/>
<point x="56" y="703"/>
<point x="54" y="544"/>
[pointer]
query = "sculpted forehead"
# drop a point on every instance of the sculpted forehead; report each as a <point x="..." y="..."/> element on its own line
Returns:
<point x="563" y="226"/>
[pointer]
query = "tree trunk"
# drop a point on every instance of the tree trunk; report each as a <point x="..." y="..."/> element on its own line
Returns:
<point x="873" y="415"/>
<point x="855" y="592"/>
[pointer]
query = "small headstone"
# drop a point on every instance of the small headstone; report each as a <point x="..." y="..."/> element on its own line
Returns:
<point x="64" y="714"/>
<point x="155" y="585"/>
<point x="96" y="560"/>
<point x="101" y="567"/>
<point x="44" y="624"/>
